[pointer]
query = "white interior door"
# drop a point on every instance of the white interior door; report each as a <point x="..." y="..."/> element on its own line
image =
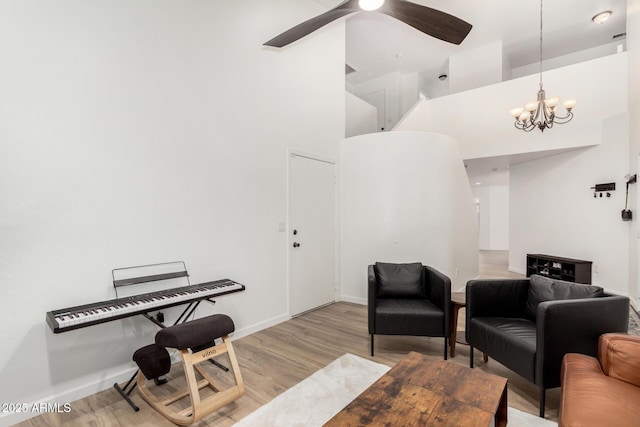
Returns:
<point x="312" y="233"/>
<point x="378" y="99"/>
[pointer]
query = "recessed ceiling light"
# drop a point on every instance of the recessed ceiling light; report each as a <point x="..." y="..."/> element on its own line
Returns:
<point x="601" y="17"/>
<point x="478" y="183"/>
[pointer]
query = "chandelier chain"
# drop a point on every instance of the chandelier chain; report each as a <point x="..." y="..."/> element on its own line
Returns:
<point x="540" y="43"/>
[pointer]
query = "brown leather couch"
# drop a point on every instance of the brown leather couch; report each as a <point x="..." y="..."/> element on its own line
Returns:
<point x="603" y="391"/>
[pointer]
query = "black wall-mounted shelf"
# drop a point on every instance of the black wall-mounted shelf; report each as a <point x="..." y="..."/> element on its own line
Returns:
<point x="569" y="269"/>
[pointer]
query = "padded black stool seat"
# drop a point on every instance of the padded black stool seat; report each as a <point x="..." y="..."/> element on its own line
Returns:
<point x="153" y="361"/>
<point x="195" y="333"/>
<point x="196" y="342"/>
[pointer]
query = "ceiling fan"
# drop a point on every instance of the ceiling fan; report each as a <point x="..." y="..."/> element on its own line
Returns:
<point x="430" y="21"/>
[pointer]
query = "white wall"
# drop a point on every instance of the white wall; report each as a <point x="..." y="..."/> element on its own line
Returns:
<point x="484" y="127"/>
<point x="553" y="211"/>
<point x="430" y="85"/>
<point x="400" y="93"/>
<point x="479" y="67"/>
<point x="633" y="43"/>
<point x="137" y="132"/>
<point x="479" y="119"/>
<point x="413" y="120"/>
<point x="408" y="94"/>
<point x="405" y="197"/>
<point x="569" y="59"/>
<point x="361" y="117"/>
<point x="494" y="217"/>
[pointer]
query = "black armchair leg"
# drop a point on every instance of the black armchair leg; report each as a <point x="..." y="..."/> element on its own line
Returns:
<point x="445" y="347"/>
<point x="371" y="345"/>
<point x="471" y="357"/>
<point x="542" y="401"/>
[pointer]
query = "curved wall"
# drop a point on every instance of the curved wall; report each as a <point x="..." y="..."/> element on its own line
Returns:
<point x="405" y="197"/>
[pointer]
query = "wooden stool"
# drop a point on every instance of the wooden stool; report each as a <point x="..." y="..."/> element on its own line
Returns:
<point x="196" y="342"/>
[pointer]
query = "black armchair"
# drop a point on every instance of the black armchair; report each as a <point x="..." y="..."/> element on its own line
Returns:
<point x="528" y="325"/>
<point x="408" y="299"/>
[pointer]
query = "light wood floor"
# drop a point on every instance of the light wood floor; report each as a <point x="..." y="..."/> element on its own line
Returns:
<point x="279" y="357"/>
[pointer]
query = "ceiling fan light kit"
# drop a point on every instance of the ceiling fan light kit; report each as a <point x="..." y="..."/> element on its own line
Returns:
<point x="370" y="5"/>
<point x="542" y="113"/>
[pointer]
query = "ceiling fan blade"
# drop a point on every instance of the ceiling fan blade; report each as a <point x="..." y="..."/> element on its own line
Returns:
<point x="430" y="21"/>
<point x="345" y="8"/>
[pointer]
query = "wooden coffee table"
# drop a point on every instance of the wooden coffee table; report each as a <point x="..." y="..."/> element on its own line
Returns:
<point x="421" y="391"/>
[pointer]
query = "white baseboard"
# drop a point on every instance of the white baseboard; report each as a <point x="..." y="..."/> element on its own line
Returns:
<point x="354" y="300"/>
<point x="256" y="327"/>
<point x="10" y="418"/>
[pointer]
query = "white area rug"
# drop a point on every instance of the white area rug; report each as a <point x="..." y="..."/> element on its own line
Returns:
<point x="315" y="400"/>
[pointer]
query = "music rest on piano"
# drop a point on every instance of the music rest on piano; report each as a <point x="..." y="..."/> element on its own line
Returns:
<point x="77" y="317"/>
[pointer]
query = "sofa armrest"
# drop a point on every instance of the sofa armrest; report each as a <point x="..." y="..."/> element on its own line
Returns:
<point x="574" y="326"/>
<point x="619" y="355"/>
<point x="440" y="294"/>
<point x="371" y="298"/>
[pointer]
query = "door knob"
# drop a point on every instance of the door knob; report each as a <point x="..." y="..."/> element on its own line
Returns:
<point x="296" y="244"/>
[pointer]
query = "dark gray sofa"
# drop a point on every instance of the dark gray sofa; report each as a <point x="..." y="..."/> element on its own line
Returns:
<point x="528" y="325"/>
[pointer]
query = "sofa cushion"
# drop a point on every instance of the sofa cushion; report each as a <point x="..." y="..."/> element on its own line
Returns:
<point x="153" y="361"/>
<point x="546" y="289"/>
<point x="408" y="317"/>
<point x="510" y="341"/>
<point x="399" y="280"/>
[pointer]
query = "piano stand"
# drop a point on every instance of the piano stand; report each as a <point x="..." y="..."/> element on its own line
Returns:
<point x="219" y="365"/>
<point x="125" y="393"/>
<point x="130" y="386"/>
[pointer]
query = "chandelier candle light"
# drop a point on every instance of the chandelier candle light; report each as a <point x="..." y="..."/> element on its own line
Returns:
<point x="542" y="114"/>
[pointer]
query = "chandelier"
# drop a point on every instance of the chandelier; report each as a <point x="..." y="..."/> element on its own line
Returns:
<point x="542" y="113"/>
